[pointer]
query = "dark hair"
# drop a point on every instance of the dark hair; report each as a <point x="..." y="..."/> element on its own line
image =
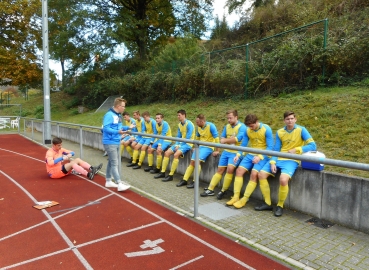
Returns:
<point x="57" y="140"/>
<point x="250" y="119"/>
<point x="182" y="112"/>
<point x="162" y="115"/>
<point x="125" y="113"/>
<point x="288" y="113"/>
<point x="145" y="114"/>
<point x="234" y="112"/>
<point x="136" y="112"/>
<point x="201" y="117"/>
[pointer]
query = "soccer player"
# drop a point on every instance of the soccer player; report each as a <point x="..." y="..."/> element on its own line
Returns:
<point x="259" y="136"/>
<point x="160" y="145"/>
<point x="128" y="121"/>
<point x="232" y="134"/>
<point x="133" y="140"/>
<point x="143" y="144"/>
<point x="293" y="139"/>
<point x="58" y="163"/>
<point x="206" y="132"/>
<point x="112" y="133"/>
<point x="186" y="130"/>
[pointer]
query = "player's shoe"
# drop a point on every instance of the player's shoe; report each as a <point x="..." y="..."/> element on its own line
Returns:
<point x="207" y="193"/>
<point x="123" y="187"/>
<point x="110" y="184"/>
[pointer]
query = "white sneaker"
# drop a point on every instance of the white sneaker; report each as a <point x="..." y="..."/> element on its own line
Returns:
<point x="110" y="184"/>
<point x="123" y="187"/>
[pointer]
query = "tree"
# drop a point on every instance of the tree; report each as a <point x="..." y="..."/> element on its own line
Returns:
<point x="19" y="31"/>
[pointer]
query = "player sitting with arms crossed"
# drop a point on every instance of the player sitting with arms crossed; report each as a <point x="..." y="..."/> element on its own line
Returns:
<point x="58" y="163"/>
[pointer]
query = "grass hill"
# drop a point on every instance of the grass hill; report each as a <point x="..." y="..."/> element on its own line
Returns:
<point x="337" y="118"/>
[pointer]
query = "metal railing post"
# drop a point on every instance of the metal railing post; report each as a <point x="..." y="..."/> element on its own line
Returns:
<point x="80" y="142"/>
<point x="196" y="181"/>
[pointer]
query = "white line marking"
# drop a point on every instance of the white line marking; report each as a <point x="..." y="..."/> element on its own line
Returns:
<point x="166" y="221"/>
<point x="148" y="244"/>
<point x="63" y="235"/>
<point x="188" y="262"/>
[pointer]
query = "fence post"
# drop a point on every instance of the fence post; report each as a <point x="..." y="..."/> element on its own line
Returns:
<point x="247" y="70"/>
<point x="196" y="182"/>
<point x="80" y="143"/>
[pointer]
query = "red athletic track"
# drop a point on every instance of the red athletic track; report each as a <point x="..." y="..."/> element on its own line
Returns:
<point x="98" y="236"/>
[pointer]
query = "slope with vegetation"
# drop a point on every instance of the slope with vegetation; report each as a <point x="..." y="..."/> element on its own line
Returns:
<point x="336" y="117"/>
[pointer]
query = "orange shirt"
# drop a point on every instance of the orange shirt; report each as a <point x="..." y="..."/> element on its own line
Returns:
<point x="52" y="155"/>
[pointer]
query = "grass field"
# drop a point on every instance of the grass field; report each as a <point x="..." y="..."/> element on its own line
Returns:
<point x="337" y="118"/>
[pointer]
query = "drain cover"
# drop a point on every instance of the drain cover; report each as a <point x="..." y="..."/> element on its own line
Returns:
<point x="321" y="223"/>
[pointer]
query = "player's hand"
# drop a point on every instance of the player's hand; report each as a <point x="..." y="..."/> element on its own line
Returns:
<point x="273" y="168"/>
<point x="256" y="160"/>
<point x="65" y="157"/>
<point x="235" y="159"/>
<point x="215" y="153"/>
<point x="69" y="155"/>
<point x="292" y="151"/>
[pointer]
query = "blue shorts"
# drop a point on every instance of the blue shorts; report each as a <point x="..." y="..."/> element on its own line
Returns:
<point x="164" y="146"/>
<point x="204" y="152"/>
<point x="247" y="164"/>
<point x="126" y="138"/>
<point x="184" y="148"/>
<point x="226" y="159"/>
<point x="286" y="166"/>
<point x="144" y="141"/>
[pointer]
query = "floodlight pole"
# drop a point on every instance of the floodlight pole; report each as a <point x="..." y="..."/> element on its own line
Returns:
<point x="45" y="45"/>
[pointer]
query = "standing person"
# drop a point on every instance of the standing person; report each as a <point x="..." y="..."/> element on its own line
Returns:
<point x="112" y="133"/>
<point x="293" y="139"/>
<point x="232" y="134"/>
<point x="160" y="145"/>
<point x="58" y="163"/>
<point x="133" y="140"/>
<point x="128" y="121"/>
<point x="205" y="132"/>
<point x="143" y="144"/>
<point x="259" y="136"/>
<point x="186" y="130"/>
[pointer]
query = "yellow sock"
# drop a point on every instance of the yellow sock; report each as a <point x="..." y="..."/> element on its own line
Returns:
<point x="283" y="192"/>
<point x="215" y="180"/>
<point x="174" y="166"/>
<point x="159" y="160"/>
<point x="165" y="164"/>
<point x="129" y="150"/>
<point x="188" y="172"/>
<point x="135" y="156"/>
<point x="265" y="190"/>
<point x="142" y="157"/>
<point x="121" y="149"/>
<point x="150" y="159"/>
<point x="249" y="189"/>
<point x="238" y="182"/>
<point x="227" y="181"/>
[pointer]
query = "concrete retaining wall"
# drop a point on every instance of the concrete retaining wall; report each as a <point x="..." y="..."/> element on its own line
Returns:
<point x="338" y="198"/>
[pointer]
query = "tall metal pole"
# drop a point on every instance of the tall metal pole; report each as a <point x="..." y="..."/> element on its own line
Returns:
<point x="45" y="45"/>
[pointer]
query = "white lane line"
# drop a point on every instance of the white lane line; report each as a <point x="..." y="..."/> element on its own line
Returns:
<point x="37" y="258"/>
<point x="120" y="233"/>
<point x="63" y="235"/>
<point x="188" y="262"/>
<point x="178" y="228"/>
<point x="46" y="221"/>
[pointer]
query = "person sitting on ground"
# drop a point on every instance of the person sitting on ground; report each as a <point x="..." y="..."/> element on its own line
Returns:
<point x="143" y="144"/>
<point x="186" y="130"/>
<point x="59" y="163"/>
<point x="205" y="132"/>
<point x="293" y="139"/>
<point x="258" y="136"/>
<point x="232" y="134"/>
<point x="160" y="145"/>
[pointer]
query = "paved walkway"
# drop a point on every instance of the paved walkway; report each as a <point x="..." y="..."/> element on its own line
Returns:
<point x="289" y="238"/>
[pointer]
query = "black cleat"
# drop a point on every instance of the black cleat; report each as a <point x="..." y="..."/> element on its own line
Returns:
<point x="278" y="212"/>
<point x="192" y="185"/>
<point x="154" y="171"/>
<point x="182" y="183"/>
<point x="168" y="178"/>
<point x="160" y="175"/>
<point x="148" y="169"/>
<point x="131" y="164"/>
<point x="264" y="207"/>
<point x="136" y="167"/>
